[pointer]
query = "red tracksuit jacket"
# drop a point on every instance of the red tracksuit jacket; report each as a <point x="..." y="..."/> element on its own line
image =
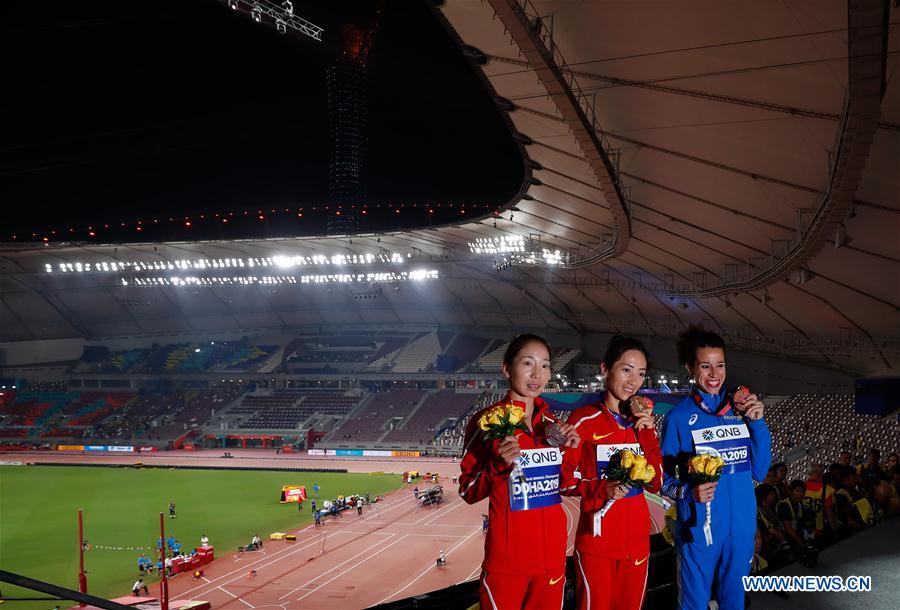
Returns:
<point x="625" y="530"/>
<point x="521" y="542"/>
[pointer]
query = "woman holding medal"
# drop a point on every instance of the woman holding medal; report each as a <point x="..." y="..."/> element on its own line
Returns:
<point x="715" y="526"/>
<point x="612" y="543"/>
<point x="525" y="546"/>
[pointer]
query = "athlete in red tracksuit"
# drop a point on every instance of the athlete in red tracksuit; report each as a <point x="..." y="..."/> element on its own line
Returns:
<point x="525" y="547"/>
<point x="611" y="553"/>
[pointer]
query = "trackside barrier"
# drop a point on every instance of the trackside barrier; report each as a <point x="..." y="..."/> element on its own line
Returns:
<point x="60" y="593"/>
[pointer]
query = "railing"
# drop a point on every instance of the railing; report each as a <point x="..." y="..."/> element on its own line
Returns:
<point x="587" y="104"/>
<point x="58" y="593"/>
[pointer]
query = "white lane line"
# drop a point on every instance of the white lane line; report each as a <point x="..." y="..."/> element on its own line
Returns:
<point x="432" y="566"/>
<point x="388" y="506"/>
<point x="236" y="597"/>
<point x="312" y="542"/>
<point x="352" y="568"/>
<point x="571" y="522"/>
<point x="274" y="555"/>
<point x="473" y="574"/>
<point x="295" y="589"/>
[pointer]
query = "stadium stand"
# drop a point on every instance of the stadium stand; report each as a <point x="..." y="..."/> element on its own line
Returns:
<point x="287" y="408"/>
<point x="378" y="413"/>
<point x="437" y="407"/>
<point x="418" y="356"/>
<point x="450" y="440"/>
<point x="464" y="350"/>
<point x="814" y="428"/>
<point x="493" y="357"/>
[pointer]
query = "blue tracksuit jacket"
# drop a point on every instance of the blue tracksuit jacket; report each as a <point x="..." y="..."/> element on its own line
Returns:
<point x="746" y="447"/>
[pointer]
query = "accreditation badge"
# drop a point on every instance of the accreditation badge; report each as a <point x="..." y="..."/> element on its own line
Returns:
<point x="538" y="484"/>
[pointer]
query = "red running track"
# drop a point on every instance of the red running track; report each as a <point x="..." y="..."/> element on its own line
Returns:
<point x="384" y="555"/>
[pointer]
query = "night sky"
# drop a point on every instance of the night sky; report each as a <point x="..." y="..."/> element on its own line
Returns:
<point x="117" y="112"/>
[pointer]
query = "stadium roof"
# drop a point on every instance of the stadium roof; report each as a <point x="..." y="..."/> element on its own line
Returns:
<point x="733" y="164"/>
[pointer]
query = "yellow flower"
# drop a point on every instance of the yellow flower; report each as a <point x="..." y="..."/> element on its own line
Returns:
<point x="649" y="472"/>
<point x="516" y="414"/>
<point x="698" y="463"/>
<point x="494" y="418"/>
<point x="627" y="459"/>
<point x="640" y="461"/>
<point x="713" y="464"/>
<point x="483" y="422"/>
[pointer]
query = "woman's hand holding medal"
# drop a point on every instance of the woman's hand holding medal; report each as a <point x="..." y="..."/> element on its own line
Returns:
<point x="640" y="411"/>
<point x="747" y="404"/>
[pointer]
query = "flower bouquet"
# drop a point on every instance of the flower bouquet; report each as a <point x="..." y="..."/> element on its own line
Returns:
<point x="626" y="468"/>
<point x="502" y="421"/>
<point x="706" y="468"/>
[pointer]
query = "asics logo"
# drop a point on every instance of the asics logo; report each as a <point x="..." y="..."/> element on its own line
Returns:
<point x="553" y="581"/>
<point x="597" y="437"/>
<point x="692" y="420"/>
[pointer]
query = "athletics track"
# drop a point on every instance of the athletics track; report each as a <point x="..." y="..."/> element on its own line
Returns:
<point x="384" y="555"/>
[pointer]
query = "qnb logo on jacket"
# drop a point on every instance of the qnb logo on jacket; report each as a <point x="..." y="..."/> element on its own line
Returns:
<point x="731" y="442"/>
<point x="539" y="486"/>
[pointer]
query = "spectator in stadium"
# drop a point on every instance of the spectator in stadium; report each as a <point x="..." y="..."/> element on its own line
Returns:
<point x="844" y="458"/>
<point x="611" y="553"/>
<point x="771" y="478"/>
<point x="892" y="460"/>
<point x="845" y="497"/>
<point x="775" y="545"/>
<point x="759" y="566"/>
<point x="814" y="503"/>
<point x="781" y="485"/>
<point x="794" y="519"/>
<point x="525" y="547"/>
<point x="723" y="553"/>
<point x="871" y="474"/>
<point x="875" y="507"/>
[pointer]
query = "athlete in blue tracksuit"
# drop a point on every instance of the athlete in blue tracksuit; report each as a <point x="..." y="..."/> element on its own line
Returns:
<point x="708" y="421"/>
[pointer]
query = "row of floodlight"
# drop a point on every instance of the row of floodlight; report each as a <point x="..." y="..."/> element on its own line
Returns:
<point x="384" y="276"/>
<point x="237" y="280"/>
<point x="282" y="262"/>
<point x="544" y="257"/>
<point x="499" y="244"/>
<point x="270" y="280"/>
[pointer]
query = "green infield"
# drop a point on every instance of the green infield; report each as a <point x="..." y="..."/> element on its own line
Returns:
<point x="39" y="505"/>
